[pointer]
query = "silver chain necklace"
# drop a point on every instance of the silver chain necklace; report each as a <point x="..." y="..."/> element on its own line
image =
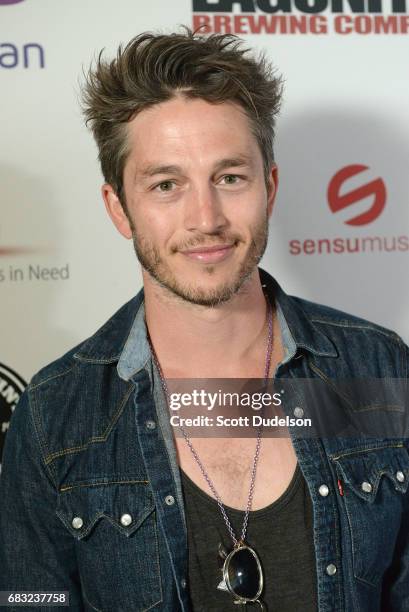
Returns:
<point x="248" y="554"/>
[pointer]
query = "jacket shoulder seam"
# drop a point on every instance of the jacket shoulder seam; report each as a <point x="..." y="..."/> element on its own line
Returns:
<point x="35" y="385"/>
<point x="351" y="325"/>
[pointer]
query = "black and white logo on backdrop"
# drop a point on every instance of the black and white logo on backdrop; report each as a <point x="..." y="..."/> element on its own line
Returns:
<point x="11" y="387"/>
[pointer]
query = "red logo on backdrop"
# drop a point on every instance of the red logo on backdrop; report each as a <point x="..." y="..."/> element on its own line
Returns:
<point x="375" y="188"/>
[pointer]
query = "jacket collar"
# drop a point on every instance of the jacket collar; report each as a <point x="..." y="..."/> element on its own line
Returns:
<point x="305" y="334"/>
<point x="116" y="340"/>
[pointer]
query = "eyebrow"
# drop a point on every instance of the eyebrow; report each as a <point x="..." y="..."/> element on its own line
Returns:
<point x="227" y="162"/>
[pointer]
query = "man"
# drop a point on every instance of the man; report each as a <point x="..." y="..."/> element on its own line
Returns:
<point x="100" y="497"/>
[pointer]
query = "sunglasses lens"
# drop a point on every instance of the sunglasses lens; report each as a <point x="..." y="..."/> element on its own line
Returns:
<point x="244" y="573"/>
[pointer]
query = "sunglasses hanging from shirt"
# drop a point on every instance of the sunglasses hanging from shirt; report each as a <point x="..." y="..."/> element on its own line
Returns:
<point x="242" y="574"/>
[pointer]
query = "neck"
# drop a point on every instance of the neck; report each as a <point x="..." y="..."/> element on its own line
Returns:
<point x="197" y="341"/>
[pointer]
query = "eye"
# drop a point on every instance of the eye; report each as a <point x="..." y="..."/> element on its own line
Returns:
<point x="230" y="179"/>
<point x="165" y="186"/>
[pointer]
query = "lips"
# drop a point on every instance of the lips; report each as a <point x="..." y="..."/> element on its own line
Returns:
<point x="215" y="253"/>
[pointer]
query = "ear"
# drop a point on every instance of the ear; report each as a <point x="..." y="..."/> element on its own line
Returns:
<point x="115" y="211"/>
<point x="272" y="191"/>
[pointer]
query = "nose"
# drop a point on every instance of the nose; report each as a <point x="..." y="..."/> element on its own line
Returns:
<point x="204" y="210"/>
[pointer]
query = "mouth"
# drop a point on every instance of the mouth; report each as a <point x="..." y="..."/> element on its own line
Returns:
<point x="212" y="254"/>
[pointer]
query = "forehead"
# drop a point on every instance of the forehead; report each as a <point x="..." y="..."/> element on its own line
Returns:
<point x="190" y="131"/>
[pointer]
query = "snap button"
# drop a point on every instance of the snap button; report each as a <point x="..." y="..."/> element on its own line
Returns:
<point x="331" y="569"/>
<point x="126" y="520"/>
<point x="323" y="490"/>
<point x="150" y="424"/>
<point x="298" y="412"/>
<point x="169" y="500"/>
<point x="366" y="486"/>
<point x="282" y="392"/>
<point x="77" y="522"/>
<point x="183" y="583"/>
<point x="400" y="476"/>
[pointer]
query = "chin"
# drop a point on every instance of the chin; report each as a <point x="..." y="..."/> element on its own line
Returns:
<point x="210" y="291"/>
<point x="209" y="277"/>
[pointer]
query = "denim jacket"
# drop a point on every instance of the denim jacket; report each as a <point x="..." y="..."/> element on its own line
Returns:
<point x="90" y="492"/>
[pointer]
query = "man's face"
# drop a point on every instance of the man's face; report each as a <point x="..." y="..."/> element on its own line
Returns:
<point x="196" y="198"/>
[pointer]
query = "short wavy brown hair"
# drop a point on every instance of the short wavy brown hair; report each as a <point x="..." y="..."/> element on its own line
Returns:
<point x="152" y="68"/>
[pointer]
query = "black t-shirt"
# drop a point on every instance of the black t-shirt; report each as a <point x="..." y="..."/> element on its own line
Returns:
<point x="282" y="536"/>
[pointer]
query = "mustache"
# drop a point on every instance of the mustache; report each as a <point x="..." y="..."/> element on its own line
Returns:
<point x="205" y="242"/>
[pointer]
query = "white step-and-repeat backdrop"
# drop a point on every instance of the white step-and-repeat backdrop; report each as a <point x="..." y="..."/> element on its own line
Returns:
<point x="340" y="230"/>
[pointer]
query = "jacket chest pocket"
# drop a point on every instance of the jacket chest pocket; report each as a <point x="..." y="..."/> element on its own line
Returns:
<point x="375" y="483"/>
<point x="114" y="525"/>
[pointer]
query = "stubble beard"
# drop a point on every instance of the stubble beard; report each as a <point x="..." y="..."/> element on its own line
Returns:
<point x="150" y="259"/>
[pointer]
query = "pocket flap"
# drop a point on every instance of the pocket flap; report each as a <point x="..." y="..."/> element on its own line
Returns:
<point x="362" y="470"/>
<point x="124" y="504"/>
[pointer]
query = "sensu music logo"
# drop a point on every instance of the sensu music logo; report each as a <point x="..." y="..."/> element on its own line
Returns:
<point x="342" y="199"/>
<point x="11" y="387"/>
<point x="374" y="189"/>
